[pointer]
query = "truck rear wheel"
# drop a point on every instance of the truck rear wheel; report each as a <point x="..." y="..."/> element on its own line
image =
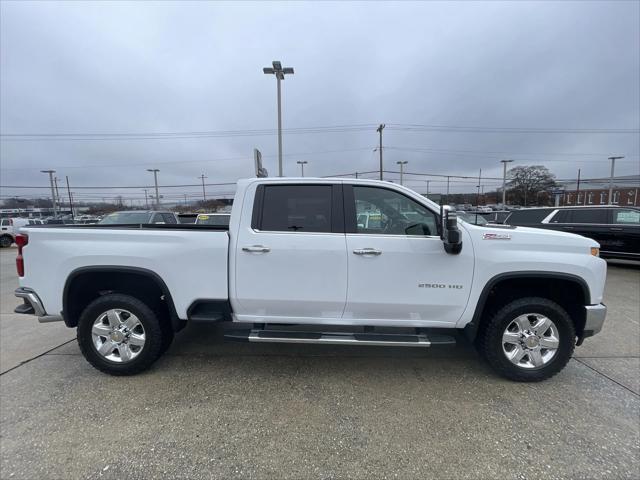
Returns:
<point x="120" y="335"/>
<point x="528" y="340"/>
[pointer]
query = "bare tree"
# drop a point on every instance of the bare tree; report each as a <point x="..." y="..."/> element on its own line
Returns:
<point x="526" y="182"/>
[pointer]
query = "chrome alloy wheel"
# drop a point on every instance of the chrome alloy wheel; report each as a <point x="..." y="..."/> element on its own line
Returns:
<point x="118" y="335"/>
<point x="530" y="341"/>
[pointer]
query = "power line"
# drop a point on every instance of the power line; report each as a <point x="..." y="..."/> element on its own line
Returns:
<point x="479" y="129"/>
<point x="300" y="130"/>
<point x="180" y="162"/>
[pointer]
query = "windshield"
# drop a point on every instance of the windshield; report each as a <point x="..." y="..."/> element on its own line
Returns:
<point x="126" y="218"/>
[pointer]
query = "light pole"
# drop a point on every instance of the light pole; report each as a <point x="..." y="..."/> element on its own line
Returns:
<point x="155" y="179"/>
<point x="428" y="181"/>
<point x="613" y="166"/>
<point x="402" y="164"/>
<point x="379" y="130"/>
<point x="279" y="72"/>
<point x="204" y="193"/>
<point x="146" y="198"/>
<point x="53" y="192"/>
<point x="302" y="163"/>
<point x="504" y="181"/>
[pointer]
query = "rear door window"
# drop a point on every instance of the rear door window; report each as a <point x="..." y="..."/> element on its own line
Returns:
<point x="296" y="208"/>
<point x="590" y="215"/>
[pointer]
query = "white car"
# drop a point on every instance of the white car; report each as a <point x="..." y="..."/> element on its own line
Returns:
<point x="9" y="227"/>
<point x="298" y="253"/>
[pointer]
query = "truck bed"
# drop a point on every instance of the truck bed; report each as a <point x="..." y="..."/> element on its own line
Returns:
<point x="191" y="259"/>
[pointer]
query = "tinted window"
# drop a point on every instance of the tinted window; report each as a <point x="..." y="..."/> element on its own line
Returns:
<point x="293" y="208"/>
<point x="5" y="222"/>
<point x="628" y="217"/>
<point x="386" y="212"/>
<point x="169" y="218"/>
<point x="523" y="217"/>
<point x="563" y="216"/>
<point x="587" y="215"/>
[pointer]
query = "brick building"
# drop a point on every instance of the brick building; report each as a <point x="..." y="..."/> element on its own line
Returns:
<point x="626" y="192"/>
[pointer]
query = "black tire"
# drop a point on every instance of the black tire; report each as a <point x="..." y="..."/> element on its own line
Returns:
<point x="154" y="333"/>
<point x="490" y="339"/>
<point x="6" y="241"/>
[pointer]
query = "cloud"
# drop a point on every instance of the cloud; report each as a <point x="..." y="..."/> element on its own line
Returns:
<point x="184" y="67"/>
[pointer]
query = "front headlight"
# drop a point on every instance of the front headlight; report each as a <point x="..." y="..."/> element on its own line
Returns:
<point x="595" y="251"/>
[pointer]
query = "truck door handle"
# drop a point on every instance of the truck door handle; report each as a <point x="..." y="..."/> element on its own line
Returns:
<point x="367" y="251"/>
<point x="616" y="229"/>
<point x="256" y="249"/>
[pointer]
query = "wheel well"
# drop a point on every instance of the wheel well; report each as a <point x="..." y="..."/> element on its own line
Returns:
<point x="84" y="287"/>
<point x="570" y="294"/>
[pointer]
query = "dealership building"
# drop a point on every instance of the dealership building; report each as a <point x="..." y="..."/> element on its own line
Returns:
<point x="596" y="192"/>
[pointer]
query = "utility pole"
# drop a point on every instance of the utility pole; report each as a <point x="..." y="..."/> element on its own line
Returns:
<point x="53" y="192"/>
<point x="402" y="164"/>
<point x="578" y="189"/>
<point x="55" y="182"/>
<point x="428" y="188"/>
<point x="204" y="193"/>
<point x="70" y="198"/>
<point x="279" y="72"/>
<point x="448" y="178"/>
<point x="356" y="175"/>
<point x="504" y="181"/>
<point x="155" y="179"/>
<point x="379" y="130"/>
<point x="613" y="166"/>
<point x="302" y="163"/>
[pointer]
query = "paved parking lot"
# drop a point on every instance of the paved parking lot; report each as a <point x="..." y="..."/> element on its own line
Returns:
<point x="214" y="410"/>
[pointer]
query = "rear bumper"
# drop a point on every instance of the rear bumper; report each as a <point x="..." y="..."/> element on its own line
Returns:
<point x="594" y="319"/>
<point x="32" y="305"/>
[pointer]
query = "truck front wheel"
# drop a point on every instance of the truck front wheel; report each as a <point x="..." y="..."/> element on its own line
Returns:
<point x="120" y="335"/>
<point x="528" y="340"/>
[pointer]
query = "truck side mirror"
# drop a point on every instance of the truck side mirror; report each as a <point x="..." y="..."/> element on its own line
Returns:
<point x="451" y="235"/>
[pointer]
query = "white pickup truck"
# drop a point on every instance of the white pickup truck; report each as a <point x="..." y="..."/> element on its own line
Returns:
<point x="296" y="264"/>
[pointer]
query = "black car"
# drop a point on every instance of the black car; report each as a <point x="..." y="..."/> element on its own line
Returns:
<point x="616" y="229"/>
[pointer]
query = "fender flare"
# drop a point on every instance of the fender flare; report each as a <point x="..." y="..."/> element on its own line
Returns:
<point x="471" y="329"/>
<point x="176" y="322"/>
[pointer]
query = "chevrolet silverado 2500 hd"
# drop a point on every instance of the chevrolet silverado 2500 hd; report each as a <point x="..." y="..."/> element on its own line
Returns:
<point x="380" y="261"/>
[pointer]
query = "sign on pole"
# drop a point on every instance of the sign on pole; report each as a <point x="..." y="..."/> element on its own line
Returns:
<point x="261" y="172"/>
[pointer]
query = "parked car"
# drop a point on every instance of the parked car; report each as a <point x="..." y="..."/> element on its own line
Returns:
<point x="296" y="254"/>
<point x="135" y="217"/>
<point x="616" y="229"/>
<point x="187" y="217"/>
<point x="213" y="219"/>
<point x="9" y="228"/>
<point x="472" y="218"/>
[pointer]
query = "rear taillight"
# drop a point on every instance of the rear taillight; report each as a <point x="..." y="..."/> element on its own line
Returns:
<point x="22" y="239"/>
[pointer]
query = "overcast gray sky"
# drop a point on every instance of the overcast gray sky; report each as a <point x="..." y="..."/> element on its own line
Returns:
<point x="99" y="67"/>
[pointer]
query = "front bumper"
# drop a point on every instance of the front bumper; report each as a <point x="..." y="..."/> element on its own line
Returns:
<point x="32" y="305"/>
<point x="594" y="319"/>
